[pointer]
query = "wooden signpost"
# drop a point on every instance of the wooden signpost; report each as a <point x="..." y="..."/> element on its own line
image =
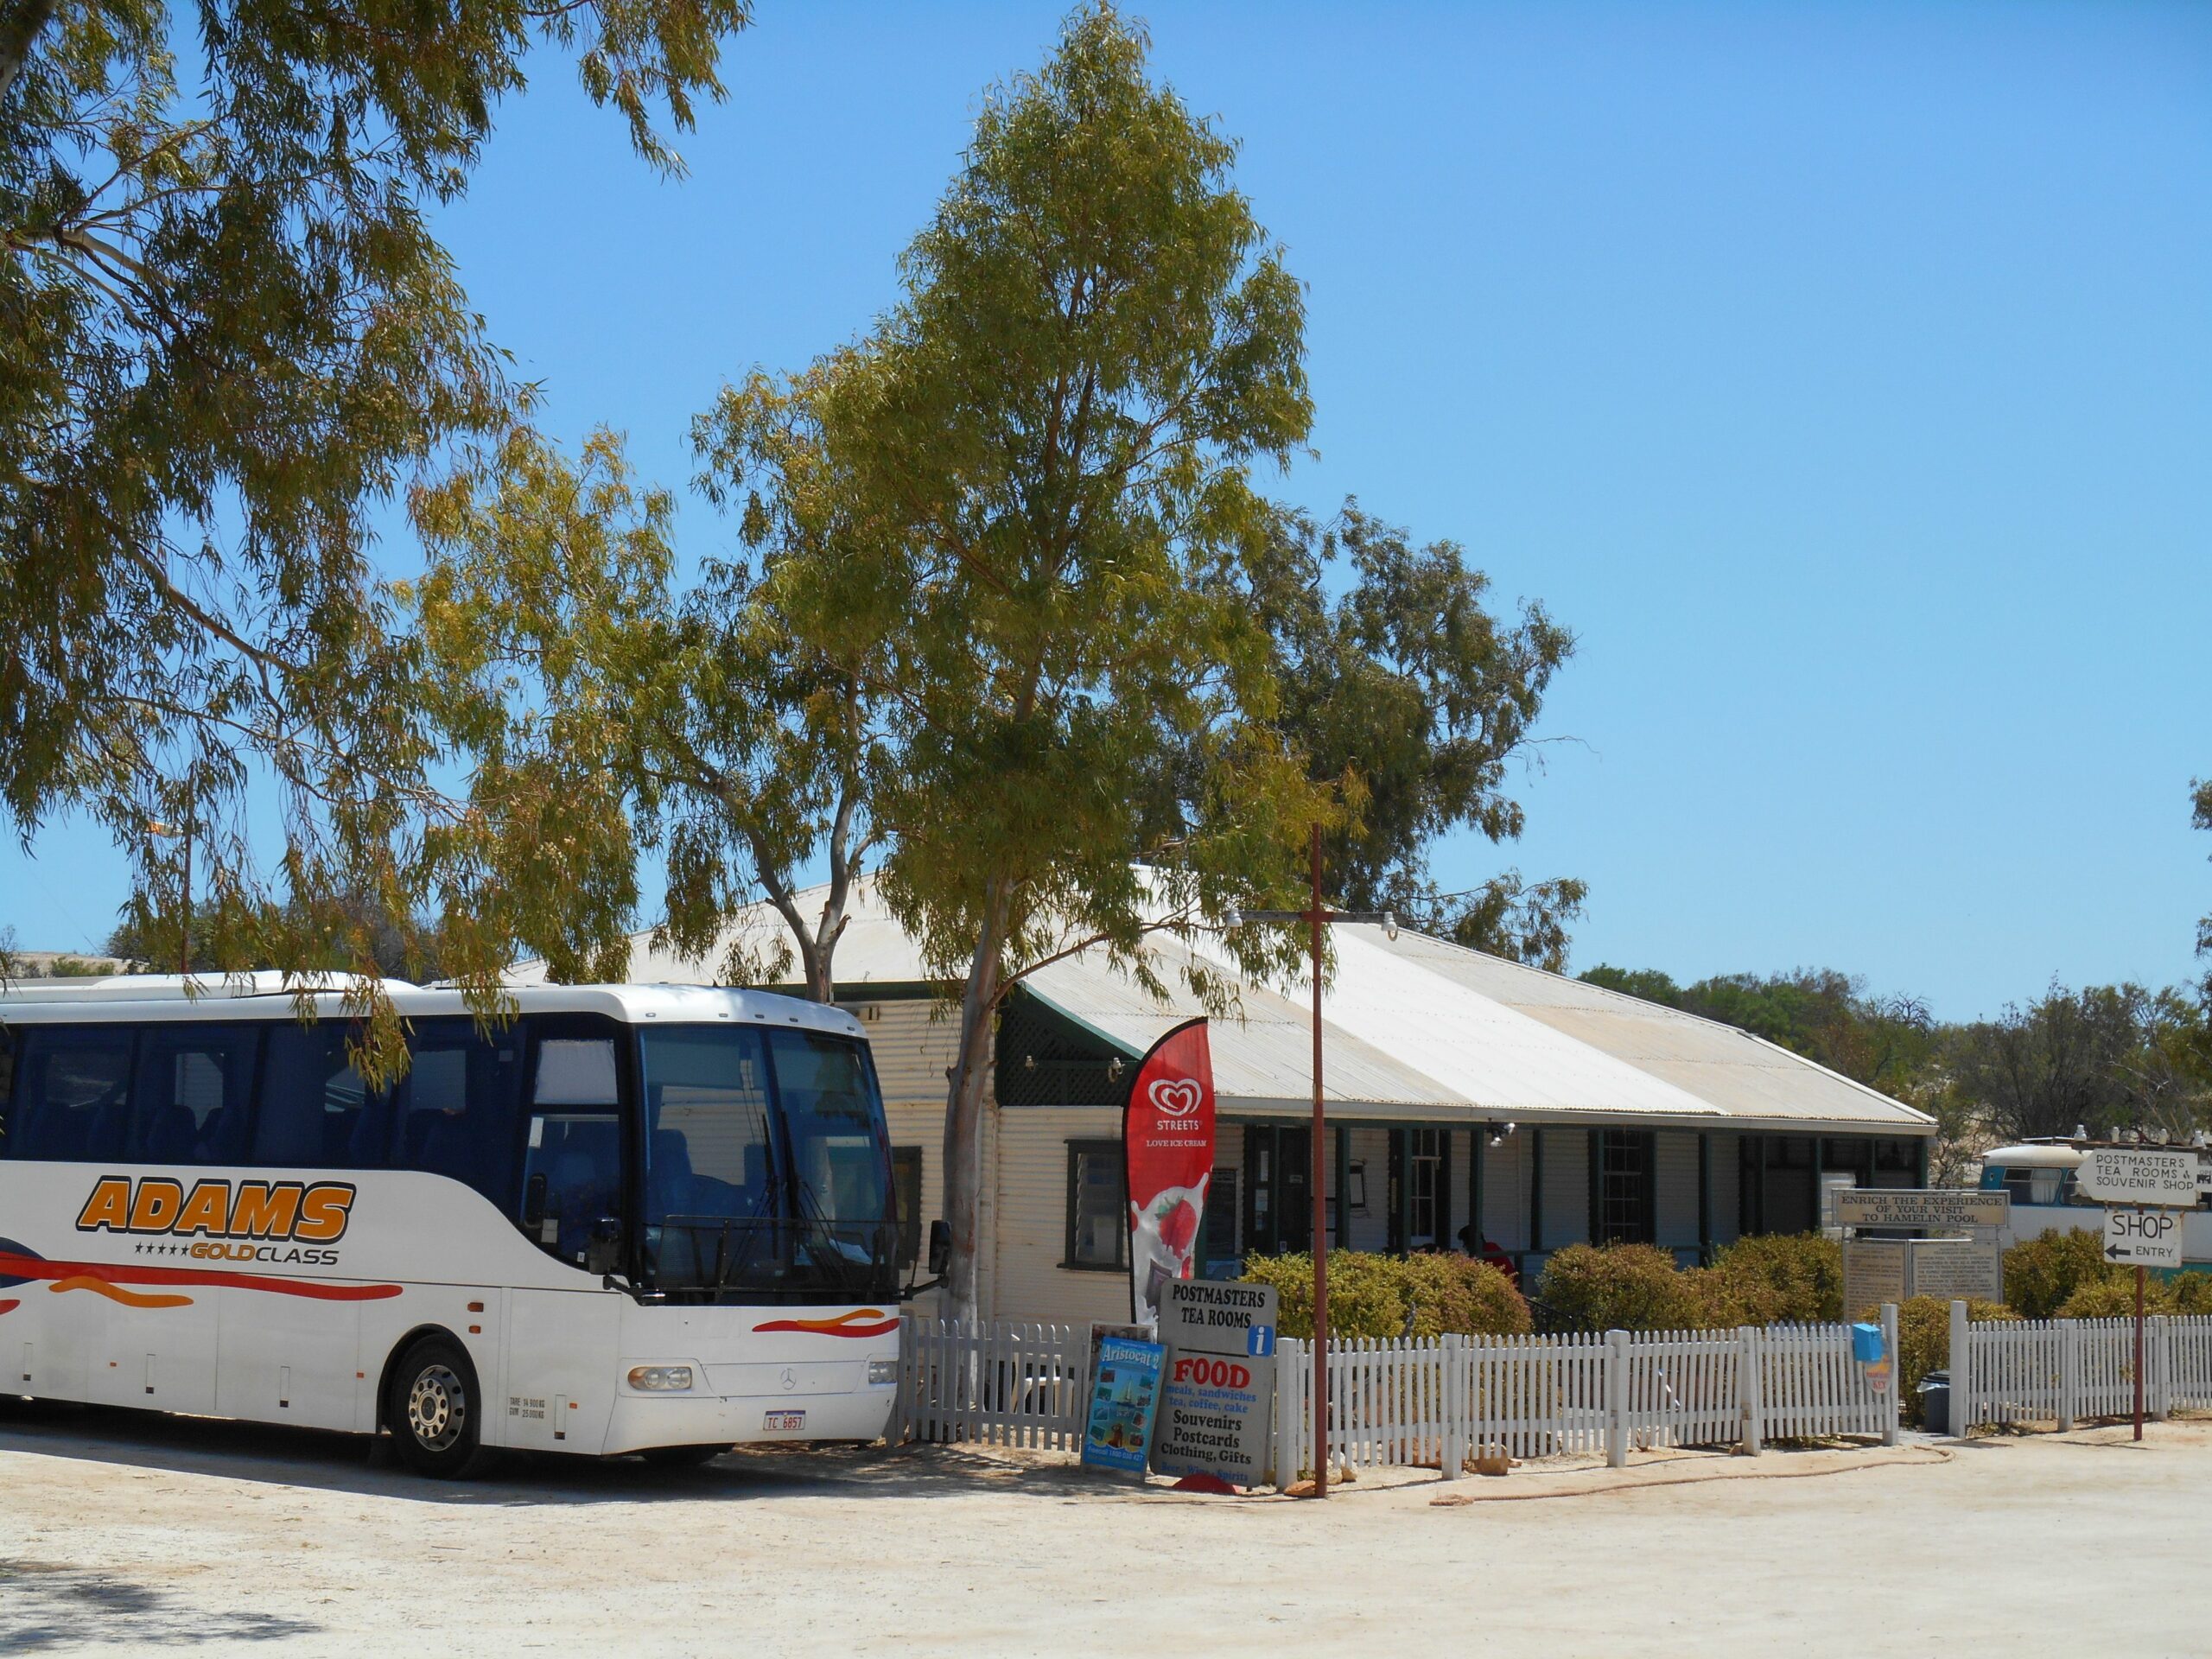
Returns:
<point x="2148" y="1189"/>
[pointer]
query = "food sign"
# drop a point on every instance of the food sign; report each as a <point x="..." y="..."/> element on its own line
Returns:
<point x="1168" y="1142"/>
<point x="1220" y="1386"/>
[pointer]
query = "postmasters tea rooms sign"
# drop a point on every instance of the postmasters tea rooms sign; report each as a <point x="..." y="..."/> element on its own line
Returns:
<point x="1220" y="1380"/>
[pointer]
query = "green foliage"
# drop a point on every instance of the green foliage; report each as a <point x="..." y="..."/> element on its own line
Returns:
<point x="2114" y="1298"/>
<point x="2192" y="1293"/>
<point x="1760" y="1280"/>
<point x="2105" y="1057"/>
<point x="2041" y="1272"/>
<point x="1825" y="1016"/>
<point x="1031" y="482"/>
<point x="1924" y="1342"/>
<point x="226" y="335"/>
<point x="1629" y="1287"/>
<point x="1370" y="1295"/>
<point x="1405" y="680"/>
<point x="1779" y="1278"/>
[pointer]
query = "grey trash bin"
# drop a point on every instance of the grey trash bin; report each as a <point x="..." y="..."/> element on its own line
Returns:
<point x="1935" y="1403"/>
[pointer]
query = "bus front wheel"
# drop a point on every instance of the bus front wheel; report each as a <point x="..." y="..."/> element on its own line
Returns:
<point x="433" y="1409"/>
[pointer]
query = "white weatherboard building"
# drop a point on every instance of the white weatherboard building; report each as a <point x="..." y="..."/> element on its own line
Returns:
<point x="1464" y="1092"/>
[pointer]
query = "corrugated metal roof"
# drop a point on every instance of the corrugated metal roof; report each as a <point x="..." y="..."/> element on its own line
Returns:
<point x="1415" y="1028"/>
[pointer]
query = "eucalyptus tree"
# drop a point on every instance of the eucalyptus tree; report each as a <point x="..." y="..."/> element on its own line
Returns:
<point x="601" y="710"/>
<point x="1408" y="680"/>
<point x="227" y="333"/>
<point x="1040" y="464"/>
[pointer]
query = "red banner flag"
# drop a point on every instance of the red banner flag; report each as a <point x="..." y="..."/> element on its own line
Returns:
<point x="1167" y="1146"/>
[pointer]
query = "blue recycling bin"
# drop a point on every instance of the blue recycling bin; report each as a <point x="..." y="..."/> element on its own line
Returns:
<point x="1935" y="1403"/>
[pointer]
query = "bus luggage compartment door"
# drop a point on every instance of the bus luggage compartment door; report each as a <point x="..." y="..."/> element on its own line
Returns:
<point x="562" y="1347"/>
<point x="267" y="1333"/>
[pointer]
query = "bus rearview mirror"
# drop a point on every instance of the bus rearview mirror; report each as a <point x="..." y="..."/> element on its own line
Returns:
<point x="533" y="1202"/>
<point x="940" y="1248"/>
<point x="603" y="1250"/>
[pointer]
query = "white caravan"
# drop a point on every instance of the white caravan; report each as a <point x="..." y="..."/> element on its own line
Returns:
<point x="635" y="1219"/>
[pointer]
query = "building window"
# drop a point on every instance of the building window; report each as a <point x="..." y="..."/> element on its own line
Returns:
<point x="1278" y="1205"/>
<point x="906" y="1200"/>
<point x="1222" y="1253"/>
<point x="1625" y="1187"/>
<point x="1098" y="1225"/>
<point x="1424" y="1189"/>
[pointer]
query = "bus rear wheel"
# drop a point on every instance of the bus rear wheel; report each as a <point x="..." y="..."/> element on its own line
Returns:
<point x="433" y="1410"/>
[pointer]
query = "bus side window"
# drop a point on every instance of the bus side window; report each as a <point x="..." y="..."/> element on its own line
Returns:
<point x="455" y="1108"/>
<point x="190" y="1102"/>
<point x="73" y="1100"/>
<point x="572" y="1167"/>
<point x="313" y="1101"/>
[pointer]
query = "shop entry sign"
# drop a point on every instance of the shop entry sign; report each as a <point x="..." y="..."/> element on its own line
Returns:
<point x="2143" y="1238"/>
<point x="1217" y="1396"/>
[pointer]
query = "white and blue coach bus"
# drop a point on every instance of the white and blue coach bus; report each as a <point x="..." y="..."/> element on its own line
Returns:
<point x="634" y="1219"/>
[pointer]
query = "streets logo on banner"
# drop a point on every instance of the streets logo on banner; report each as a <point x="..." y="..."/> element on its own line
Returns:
<point x="1168" y="1142"/>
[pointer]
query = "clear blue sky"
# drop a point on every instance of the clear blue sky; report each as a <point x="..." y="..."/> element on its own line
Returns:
<point x="1841" y="374"/>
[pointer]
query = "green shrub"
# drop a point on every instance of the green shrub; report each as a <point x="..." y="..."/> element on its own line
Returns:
<point x="2041" y="1272"/>
<point x="1795" y="1277"/>
<point x="1630" y="1287"/>
<point x="2192" y="1292"/>
<point x="1924" y="1342"/>
<point x="2114" y="1298"/>
<point x="1370" y="1295"/>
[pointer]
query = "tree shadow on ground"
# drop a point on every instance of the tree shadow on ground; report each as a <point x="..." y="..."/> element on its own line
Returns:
<point x="352" y="1463"/>
<point x="45" y="1606"/>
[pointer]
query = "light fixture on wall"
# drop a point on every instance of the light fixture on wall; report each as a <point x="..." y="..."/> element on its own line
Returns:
<point x="1114" y="1069"/>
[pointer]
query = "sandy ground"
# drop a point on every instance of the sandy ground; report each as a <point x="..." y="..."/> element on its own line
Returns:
<point x="126" y="1532"/>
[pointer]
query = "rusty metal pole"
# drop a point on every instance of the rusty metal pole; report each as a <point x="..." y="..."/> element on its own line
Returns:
<point x="1320" y="1203"/>
<point x="2139" y="1272"/>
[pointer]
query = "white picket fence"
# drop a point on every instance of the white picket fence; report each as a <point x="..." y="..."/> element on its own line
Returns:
<point x="1018" y="1383"/>
<point x="2059" y="1372"/>
<point x="1439" y="1402"/>
<point x="1433" y="1403"/>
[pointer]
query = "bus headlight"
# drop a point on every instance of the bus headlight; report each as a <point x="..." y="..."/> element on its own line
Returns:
<point x="881" y="1373"/>
<point x="656" y="1378"/>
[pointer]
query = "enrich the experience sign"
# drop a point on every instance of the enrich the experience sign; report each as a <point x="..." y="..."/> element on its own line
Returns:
<point x="1920" y="1207"/>
<point x="1220" y="1380"/>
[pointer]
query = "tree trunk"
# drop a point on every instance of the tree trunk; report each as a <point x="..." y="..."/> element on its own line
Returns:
<point x="964" y="1106"/>
<point x="21" y="23"/>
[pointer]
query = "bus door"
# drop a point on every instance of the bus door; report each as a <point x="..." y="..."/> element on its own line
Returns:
<point x="561" y="1345"/>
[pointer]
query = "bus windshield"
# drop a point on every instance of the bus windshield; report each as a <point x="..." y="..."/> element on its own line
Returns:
<point x="766" y="1173"/>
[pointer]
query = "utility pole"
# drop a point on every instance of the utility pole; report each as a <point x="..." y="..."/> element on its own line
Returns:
<point x="1315" y="916"/>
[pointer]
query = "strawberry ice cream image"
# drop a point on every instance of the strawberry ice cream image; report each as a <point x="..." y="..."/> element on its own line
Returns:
<point x="1162" y="1234"/>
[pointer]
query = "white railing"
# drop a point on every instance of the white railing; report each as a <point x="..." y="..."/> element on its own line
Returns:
<point x="1018" y="1383"/>
<point x="2059" y="1372"/>
<point x="1439" y="1404"/>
